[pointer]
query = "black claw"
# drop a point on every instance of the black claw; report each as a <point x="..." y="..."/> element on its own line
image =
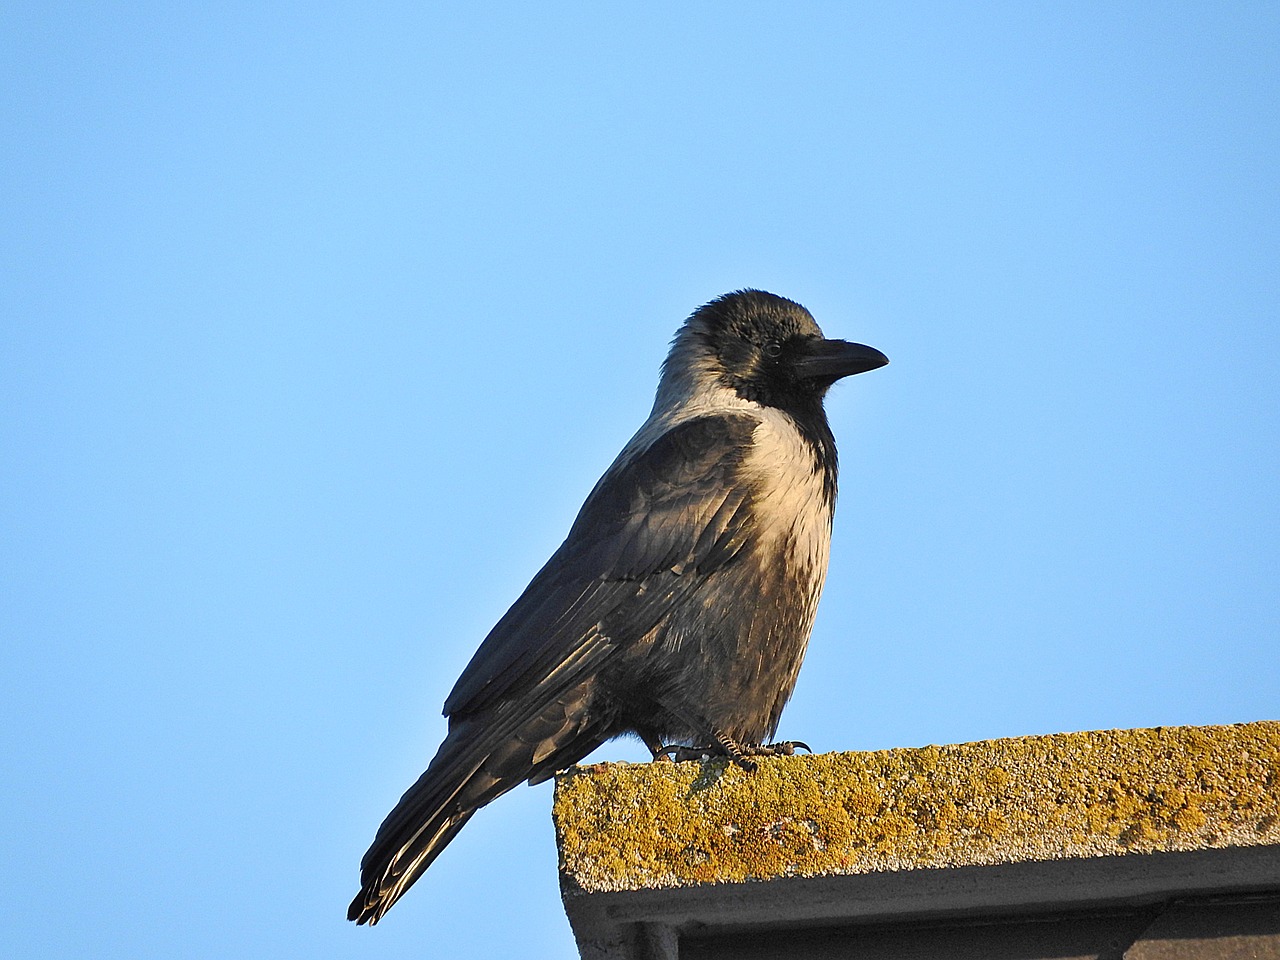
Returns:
<point x="787" y="748"/>
<point x="680" y="753"/>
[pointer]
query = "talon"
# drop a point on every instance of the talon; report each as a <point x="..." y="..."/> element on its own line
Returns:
<point x="788" y="747"/>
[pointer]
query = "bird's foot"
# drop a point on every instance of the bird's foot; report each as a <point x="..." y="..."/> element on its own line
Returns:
<point x="736" y="752"/>
<point x="726" y="746"/>
<point x="741" y="753"/>
<point x="783" y="748"/>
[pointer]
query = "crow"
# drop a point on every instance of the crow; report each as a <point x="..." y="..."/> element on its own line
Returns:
<point x="679" y="607"/>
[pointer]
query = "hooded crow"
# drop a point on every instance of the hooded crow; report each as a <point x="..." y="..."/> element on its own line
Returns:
<point x="679" y="606"/>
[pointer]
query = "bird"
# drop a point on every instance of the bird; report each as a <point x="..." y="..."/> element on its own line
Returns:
<point x="679" y="607"/>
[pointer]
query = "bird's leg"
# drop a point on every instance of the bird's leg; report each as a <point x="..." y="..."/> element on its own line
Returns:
<point x="733" y="750"/>
<point x="739" y="753"/>
<point x="676" y="751"/>
<point x="725" y="746"/>
<point x="722" y="744"/>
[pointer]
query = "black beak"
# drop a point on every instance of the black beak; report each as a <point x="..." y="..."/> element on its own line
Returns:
<point x="830" y="360"/>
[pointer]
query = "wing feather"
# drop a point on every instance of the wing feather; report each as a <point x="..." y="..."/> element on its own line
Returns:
<point x="655" y="525"/>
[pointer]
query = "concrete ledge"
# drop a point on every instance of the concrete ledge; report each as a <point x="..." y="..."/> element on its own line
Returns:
<point x="1069" y="821"/>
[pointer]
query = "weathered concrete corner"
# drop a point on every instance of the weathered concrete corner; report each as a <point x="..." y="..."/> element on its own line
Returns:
<point x="628" y="827"/>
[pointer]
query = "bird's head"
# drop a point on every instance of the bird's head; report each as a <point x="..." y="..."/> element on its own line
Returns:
<point x="764" y="348"/>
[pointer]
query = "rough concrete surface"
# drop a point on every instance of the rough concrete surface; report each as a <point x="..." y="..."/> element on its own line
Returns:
<point x="665" y="825"/>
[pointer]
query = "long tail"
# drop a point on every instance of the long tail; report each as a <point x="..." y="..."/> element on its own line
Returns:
<point x="478" y="762"/>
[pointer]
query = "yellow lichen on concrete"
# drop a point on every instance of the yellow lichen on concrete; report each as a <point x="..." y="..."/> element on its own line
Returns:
<point x="634" y="826"/>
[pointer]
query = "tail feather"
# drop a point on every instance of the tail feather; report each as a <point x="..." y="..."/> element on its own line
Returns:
<point x="420" y="826"/>
<point x="481" y="759"/>
<point x="380" y="892"/>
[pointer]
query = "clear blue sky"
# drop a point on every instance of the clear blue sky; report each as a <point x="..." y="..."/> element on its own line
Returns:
<point x="320" y="320"/>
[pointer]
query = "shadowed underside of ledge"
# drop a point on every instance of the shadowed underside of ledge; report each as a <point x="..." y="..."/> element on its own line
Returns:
<point x="661" y="825"/>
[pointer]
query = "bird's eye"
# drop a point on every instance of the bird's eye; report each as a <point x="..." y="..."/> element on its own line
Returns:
<point x="771" y="348"/>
